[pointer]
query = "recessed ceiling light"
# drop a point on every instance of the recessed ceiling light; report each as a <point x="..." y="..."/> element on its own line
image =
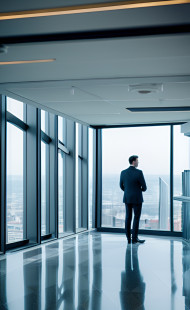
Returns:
<point x="88" y="8"/>
<point x="146" y="88"/>
<point x="25" y="61"/>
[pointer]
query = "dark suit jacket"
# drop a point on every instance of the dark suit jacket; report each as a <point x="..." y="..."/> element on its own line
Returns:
<point x="132" y="182"/>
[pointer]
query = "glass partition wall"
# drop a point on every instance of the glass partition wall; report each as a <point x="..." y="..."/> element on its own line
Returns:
<point x="181" y="174"/>
<point x="153" y="148"/>
<point x="164" y="154"/>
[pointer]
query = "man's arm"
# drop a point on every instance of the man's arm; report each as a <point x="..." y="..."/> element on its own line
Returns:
<point x="121" y="182"/>
<point x="142" y="182"/>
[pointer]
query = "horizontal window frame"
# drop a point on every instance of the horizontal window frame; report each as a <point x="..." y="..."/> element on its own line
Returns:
<point x="46" y="237"/>
<point x="16" y="244"/>
<point x="45" y="138"/>
<point x="63" y="148"/>
<point x="11" y="118"/>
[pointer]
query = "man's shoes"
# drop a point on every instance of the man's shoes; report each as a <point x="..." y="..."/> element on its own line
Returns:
<point x="129" y="241"/>
<point x="137" y="240"/>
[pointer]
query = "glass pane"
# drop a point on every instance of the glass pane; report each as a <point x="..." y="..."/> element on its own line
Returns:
<point x="177" y="217"/>
<point x="15" y="107"/>
<point x="79" y="213"/>
<point x="44" y="121"/>
<point x="43" y="188"/>
<point x="61" y="191"/>
<point x="15" y="188"/>
<point x="60" y="128"/>
<point x="181" y="166"/>
<point x="148" y="143"/>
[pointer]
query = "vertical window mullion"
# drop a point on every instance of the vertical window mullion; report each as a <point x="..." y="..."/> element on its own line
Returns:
<point x="171" y="178"/>
<point x="25" y="176"/>
<point x="47" y="189"/>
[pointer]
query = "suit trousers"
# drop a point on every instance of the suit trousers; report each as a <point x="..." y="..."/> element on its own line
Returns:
<point x="128" y="217"/>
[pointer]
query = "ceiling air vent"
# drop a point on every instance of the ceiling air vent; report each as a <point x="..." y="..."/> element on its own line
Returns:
<point x="160" y="109"/>
<point x="146" y="88"/>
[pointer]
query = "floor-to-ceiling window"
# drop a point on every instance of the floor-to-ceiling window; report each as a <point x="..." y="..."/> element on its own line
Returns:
<point x="78" y="176"/>
<point x="38" y="157"/>
<point x="45" y="165"/>
<point x="15" y="195"/>
<point x="181" y="174"/>
<point x="81" y="181"/>
<point x="152" y="145"/>
<point x="44" y="189"/>
<point x="61" y="176"/>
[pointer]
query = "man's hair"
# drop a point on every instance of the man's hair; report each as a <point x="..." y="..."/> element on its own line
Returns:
<point x="132" y="158"/>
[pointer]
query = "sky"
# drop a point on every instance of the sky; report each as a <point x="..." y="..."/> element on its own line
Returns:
<point x="151" y="144"/>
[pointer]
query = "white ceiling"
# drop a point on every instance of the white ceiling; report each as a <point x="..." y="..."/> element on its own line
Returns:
<point x="100" y="72"/>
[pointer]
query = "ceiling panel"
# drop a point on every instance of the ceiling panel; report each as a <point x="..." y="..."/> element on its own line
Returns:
<point x="90" y="80"/>
<point x="54" y="94"/>
<point x="110" y="58"/>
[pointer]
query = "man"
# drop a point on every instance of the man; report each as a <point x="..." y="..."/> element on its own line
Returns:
<point x="132" y="182"/>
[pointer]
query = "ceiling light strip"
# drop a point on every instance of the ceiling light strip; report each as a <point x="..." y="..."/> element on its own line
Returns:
<point x="89" y="8"/>
<point x="160" y="109"/>
<point x="25" y="61"/>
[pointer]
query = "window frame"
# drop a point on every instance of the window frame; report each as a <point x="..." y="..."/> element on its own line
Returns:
<point x="99" y="226"/>
<point x="22" y="125"/>
<point x="46" y="139"/>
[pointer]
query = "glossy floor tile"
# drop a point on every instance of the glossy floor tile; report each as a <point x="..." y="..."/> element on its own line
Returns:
<point x="98" y="271"/>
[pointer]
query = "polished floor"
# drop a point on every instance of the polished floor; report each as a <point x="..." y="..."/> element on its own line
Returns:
<point x="98" y="271"/>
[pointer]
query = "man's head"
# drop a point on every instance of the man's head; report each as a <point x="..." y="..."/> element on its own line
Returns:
<point x="133" y="160"/>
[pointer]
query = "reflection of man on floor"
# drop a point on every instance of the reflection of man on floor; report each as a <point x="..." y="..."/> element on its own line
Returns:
<point x="132" y="292"/>
<point x="132" y="182"/>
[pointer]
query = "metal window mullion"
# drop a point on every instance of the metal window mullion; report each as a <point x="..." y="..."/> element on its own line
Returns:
<point x="25" y="176"/>
<point x="87" y="184"/>
<point x="38" y="185"/>
<point x="47" y="123"/>
<point x="94" y="180"/>
<point x="171" y="178"/>
<point x="74" y="178"/>
<point x="98" y="217"/>
<point x="80" y="211"/>
<point x="47" y="189"/>
<point x="81" y="177"/>
<point x="64" y="174"/>
<point x="56" y="221"/>
<point x="24" y="186"/>
<point x="64" y="181"/>
<point x="3" y="131"/>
